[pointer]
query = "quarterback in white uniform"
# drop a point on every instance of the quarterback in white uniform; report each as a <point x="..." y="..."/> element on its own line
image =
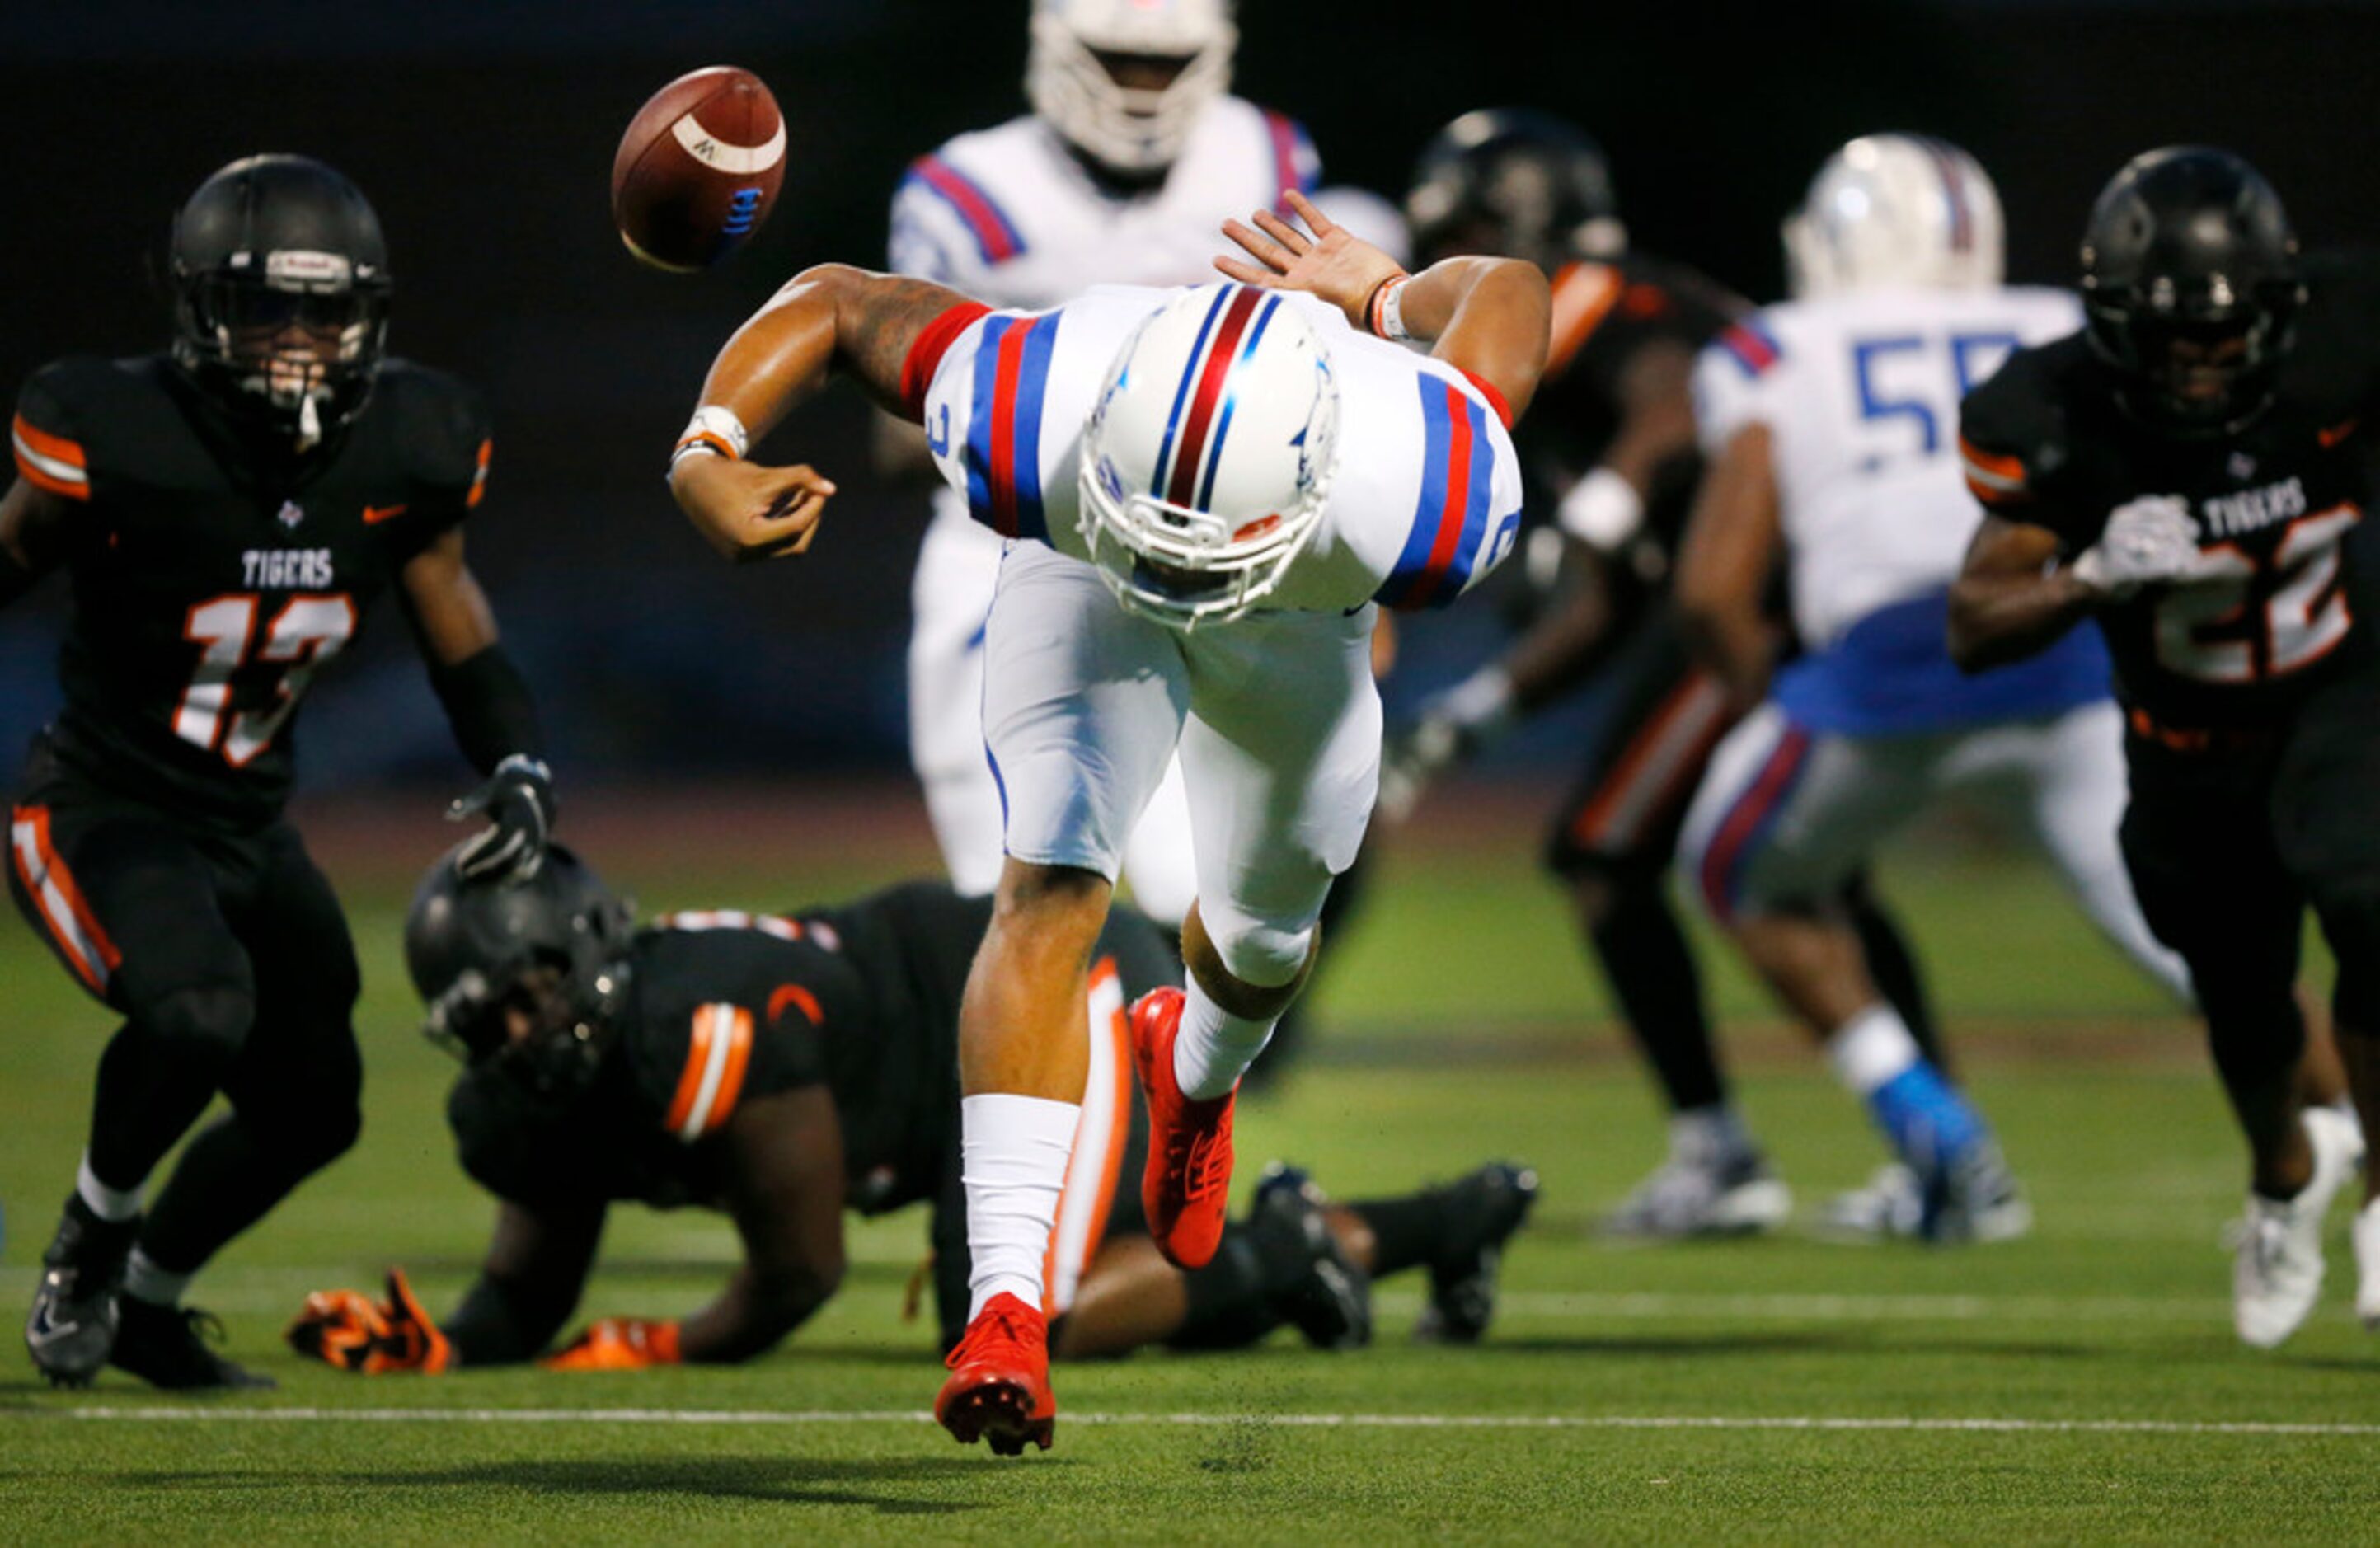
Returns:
<point x="1830" y="424"/>
<point x="1203" y="494"/>
<point x="1131" y="158"/>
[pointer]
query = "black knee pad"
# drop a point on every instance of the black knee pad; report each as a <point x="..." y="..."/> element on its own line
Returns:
<point x="208" y="1025"/>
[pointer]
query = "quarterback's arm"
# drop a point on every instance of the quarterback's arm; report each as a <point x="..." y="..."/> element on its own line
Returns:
<point x="1489" y="318"/>
<point x="537" y="1265"/>
<point x="1729" y="552"/>
<point x="2013" y="598"/>
<point x="33" y="533"/>
<point x="786" y="1191"/>
<point x="829" y="318"/>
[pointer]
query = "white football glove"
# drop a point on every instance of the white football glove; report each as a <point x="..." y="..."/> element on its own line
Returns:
<point x="1451" y="727"/>
<point x="2146" y="542"/>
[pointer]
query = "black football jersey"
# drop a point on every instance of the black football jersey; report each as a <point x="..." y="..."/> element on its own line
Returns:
<point x="726" y="1007"/>
<point x="212" y="577"/>
<point x="1603" y="314"/>
<point x="2045" y="442"/>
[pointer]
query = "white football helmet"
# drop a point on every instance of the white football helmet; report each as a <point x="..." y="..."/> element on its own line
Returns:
<point x="1132" y="130"/>
<point x="1896" y="210"/>
<point x="1208" y="462"/>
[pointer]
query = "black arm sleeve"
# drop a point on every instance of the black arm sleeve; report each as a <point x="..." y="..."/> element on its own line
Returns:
<point x="488" y="703"/>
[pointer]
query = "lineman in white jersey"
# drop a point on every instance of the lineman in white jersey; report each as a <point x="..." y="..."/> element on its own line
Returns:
<point x="1132" y="157"/>
<point x="1205" y="493"/>
<point x="1831" y="423"/>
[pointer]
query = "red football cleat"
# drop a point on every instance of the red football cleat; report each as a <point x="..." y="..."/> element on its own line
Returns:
<point x="998" y="1385"/>
<point x="1188" y="1179"/>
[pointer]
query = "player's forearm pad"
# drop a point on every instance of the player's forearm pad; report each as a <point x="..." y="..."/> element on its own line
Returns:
<point x="488" y="704"/>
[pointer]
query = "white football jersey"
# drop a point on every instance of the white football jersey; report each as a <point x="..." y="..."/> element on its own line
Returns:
<point x="1425" y="491"/>
<point x="1010" y="216"/>
<point x="1860" y="393"/>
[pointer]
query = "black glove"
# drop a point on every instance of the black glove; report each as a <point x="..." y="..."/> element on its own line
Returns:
<point x="518" y="803"/>
<point x="1452" y="727"/>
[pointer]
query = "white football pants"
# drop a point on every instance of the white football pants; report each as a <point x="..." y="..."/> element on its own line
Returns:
<point x="1785" y="814"/>
<point x="1275" y="716"/>
<point x="950" y="598"/>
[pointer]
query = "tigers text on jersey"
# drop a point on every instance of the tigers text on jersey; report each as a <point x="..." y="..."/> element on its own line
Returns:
<point x="1859" y="395"/>
<point x="211" y="578"/>
<point x="1010" y="215"/>
<point x="2276" y="609"/>
<point x="1425" y="491"/>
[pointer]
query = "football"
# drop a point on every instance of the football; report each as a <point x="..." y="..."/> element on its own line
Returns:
<point x="698" y="169"/>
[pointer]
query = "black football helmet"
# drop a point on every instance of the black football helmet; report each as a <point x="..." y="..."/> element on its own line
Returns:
<point x="281" y="288"/>
<point x="551" y="947"/>
<point x="1515" y="183"/>
<point x="2191" y="285"/>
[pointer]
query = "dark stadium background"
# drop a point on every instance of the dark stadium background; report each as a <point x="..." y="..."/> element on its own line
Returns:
<point x="484" y="133"/>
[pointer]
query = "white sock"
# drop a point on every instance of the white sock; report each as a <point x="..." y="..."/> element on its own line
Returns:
<point x="1012" y="1153"/>
<point x="108" y="1203"/>
<point x="143" y="1280"/>
<point x="1701" y="1134"/>
<point x="1871" y="1048"/>
<point x="1214" y="1048"/>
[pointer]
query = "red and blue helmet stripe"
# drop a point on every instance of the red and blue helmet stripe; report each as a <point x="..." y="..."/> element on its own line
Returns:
<point x="1451" y="518"/>
<point x="996" y="236"/>
<point x="1191" y="447"/>
<point x="1003" y="445"/>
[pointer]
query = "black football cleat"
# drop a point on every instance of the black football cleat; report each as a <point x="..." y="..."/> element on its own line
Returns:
<point x="1486" y="1208"/>
<point x="166" y="1347"/>
<point x="1330" y="1299"/>
<point x="73" y="1325"/>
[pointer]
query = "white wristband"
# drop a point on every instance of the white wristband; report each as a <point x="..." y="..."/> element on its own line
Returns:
<point x="1602" y="510"/>
<point x="1387" y="319"/>
<point x="713" y="432"/>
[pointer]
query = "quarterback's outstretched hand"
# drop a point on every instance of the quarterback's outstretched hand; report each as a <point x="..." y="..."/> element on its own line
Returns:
<point x="618" y="1344"/>
<point x="2146" y="542"/>
<point x="749" y="511"/>
<point x="347" y="1330"/>
<point x="517" y="801"/>
<point x="1338" y="267"/>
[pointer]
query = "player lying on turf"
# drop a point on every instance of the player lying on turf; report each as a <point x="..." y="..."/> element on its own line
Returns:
<point x="1205" y="493"/>
<point x="2184" y="470"/>
<point x="786" y="1067"/>
<point x="1823" y="419"/>
<point x="228" y="512"/>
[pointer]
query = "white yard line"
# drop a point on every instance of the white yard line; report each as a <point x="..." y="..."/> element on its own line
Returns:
<point x="210" y="1414"/>
<point x="1823" y="1307"/>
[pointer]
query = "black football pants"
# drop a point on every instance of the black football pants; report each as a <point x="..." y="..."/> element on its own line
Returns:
<point x="230" y="961"/>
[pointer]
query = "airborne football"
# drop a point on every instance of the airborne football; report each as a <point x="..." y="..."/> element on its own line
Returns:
<point x="1318" y="774"/>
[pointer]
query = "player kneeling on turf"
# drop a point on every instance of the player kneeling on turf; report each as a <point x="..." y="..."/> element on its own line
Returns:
<point x="785" y="1068"/>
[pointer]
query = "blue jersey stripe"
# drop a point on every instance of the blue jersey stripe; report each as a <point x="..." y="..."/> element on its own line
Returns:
<point x="1032" y="379"/>
<point x="979" y="441"/>
<point x="1437" y="435"/>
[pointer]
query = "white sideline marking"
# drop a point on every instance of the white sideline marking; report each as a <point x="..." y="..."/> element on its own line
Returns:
<point x="1198" y="1421"/>
<point x="1825" y="1307"/>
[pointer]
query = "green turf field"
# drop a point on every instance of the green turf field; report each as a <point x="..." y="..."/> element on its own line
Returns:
<point x="2082" y="1385"/>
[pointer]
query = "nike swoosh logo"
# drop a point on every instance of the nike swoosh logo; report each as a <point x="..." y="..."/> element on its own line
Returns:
<point x="2336" y="434"/>
<point x="375" y="514"/>
<point x="43" y="1330"/>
